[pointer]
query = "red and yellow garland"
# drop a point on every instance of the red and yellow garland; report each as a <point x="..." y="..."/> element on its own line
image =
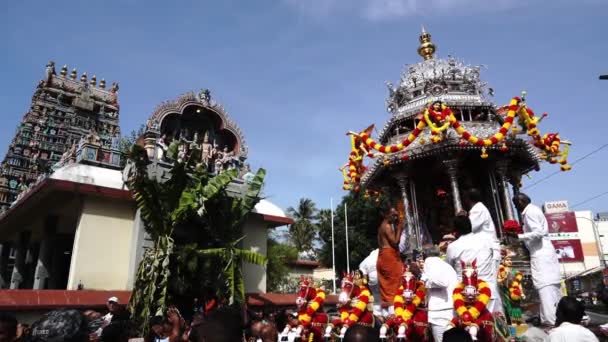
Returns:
<point x="471" y="314"/>
<point x="351" y="317"/>
<point x="362" y="142"/>
<point x="406" y="313"/>
<point x="516" y="290"/>
<point x="306" y="317"/>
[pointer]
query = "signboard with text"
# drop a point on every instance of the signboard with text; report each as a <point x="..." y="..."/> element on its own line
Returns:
<point x="562" y="222"/>
<point x="555" y="207"/>
<point x="568" y="250"/>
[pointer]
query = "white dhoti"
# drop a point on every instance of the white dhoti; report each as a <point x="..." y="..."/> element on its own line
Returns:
<point x="495" y="304"/>
<point x="375" y="290"/>
<point x="549" y="297"/>
<point x="439" y="321"/>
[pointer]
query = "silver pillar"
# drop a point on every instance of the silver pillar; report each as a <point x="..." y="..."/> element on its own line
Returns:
<point x="501" y="169"/>
<point x="43" y="266"/>
<point x="452" y="169"/>
<point x="497" y="198"/>
<point x="411" y="240"/>
<point x="17" y="278"/>
<point x="417" y="225"/>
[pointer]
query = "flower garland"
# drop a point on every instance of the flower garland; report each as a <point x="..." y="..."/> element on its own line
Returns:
<point x="406" y="313"/>
<point x="515" y="290"/>
<point x="473" y="312"/>
<point x="512" y="226"/>
<point x="355" y="314"/>
<point x="362" y="142"/>
<point x="367" y="140"/>
<point x="306" y="317"/>
<point x="514" y="107"/>
<point x="445" y="112"/>
<point x="502" y="273"/>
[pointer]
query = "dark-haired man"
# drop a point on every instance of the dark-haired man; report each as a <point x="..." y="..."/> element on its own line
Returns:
<point x="569" y="314"/>
<point x="469" y="247"/>
<point x="8" y="327"/>
<point x="361" y="333"/>
<point x="389" y="263"/>
<point x="543" y="259"/>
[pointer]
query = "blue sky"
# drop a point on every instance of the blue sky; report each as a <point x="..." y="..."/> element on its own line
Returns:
<point x="297" y="74"/>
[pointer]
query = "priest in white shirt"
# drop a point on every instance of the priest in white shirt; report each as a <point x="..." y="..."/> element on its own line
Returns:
<point x="368" y="268"/>
<point x="569" y="314"/>
<point x="482" y="226"/>
<point x="543" y="259"/>
<point x="440" y="279"/>
<point x="469" y="247"/>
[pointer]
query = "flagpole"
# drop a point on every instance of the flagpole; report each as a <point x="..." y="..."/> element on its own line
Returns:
<point x="346" y="227"/>
<point x="333" y="251"/>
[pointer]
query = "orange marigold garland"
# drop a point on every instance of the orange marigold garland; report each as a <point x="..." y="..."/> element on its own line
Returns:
<point x="468" y="316"/>
<point x="362" y="143"/>
<point x="406" y="313"/>
<point x="516" y="290"/>
<point x="362" y="301"/>
<point x="306" y="317"/>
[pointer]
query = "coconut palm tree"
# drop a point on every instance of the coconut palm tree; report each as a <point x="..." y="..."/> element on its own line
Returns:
<point x="303" y="231"/>
<point x="192" y="201"/>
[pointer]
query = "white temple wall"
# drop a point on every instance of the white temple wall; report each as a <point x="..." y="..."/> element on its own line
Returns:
<point x="102" y="245"/>
<point x="256" y="235"/>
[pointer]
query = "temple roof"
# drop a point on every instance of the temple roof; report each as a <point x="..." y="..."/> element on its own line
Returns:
<point x="202" y="99"/>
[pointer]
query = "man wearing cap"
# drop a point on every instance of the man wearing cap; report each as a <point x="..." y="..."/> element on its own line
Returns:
<point x="115" y="313"/>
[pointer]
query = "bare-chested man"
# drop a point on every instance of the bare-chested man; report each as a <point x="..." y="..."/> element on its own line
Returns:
<point x="389" y="265"/>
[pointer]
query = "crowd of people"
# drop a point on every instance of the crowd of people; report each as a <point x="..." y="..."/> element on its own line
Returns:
<point x="439" y="268"/>
<point x="474" y="241"/>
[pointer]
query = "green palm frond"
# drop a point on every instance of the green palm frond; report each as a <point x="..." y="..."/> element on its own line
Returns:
<point x="218" y="183"/>
<point x="251" y="257"/>
<point x="243" y="207"/>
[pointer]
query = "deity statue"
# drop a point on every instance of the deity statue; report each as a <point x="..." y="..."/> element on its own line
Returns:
<point x="114" y="88"/>
<point x="204" y="96"/>
<point x="182" y="150"/>
<point x="247" y="175"/>
<point x="219" y="160"/>
<point x="509" y="280"/>
<point x="50" y="72"/>
<point x="228" y="159"/>
<point x="161" y="147"/>
<point x="206" y="150"/>
<point x="92" y="137"/>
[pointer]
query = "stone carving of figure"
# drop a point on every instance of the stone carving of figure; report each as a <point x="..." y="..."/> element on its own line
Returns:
<point x="206" y="150"/>
<point x="182" y="150"/>
<point x="92" y="137"/>
<point x="50" y="72"/>
<point x="204" y="96"/>
<point x="228" y="158"/>
<point x="219" y="160"/>
<point x="248" y="176"/>
<point x="114" y="88"/>
<point x="161" y="147"/>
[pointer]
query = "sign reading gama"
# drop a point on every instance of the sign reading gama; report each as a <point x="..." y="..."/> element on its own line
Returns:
<point x="556" y="207"/>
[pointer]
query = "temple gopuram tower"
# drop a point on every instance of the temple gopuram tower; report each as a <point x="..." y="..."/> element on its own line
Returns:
<point x="65" y="110"/>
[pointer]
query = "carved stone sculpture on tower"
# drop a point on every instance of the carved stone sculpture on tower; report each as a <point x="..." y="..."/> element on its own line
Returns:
<point x="204" y="96"/>
<point x="219" y="160"/>
<point x="50" y="72"/>
<point x="206" y="150"/>
<point x="161" y="148"/>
